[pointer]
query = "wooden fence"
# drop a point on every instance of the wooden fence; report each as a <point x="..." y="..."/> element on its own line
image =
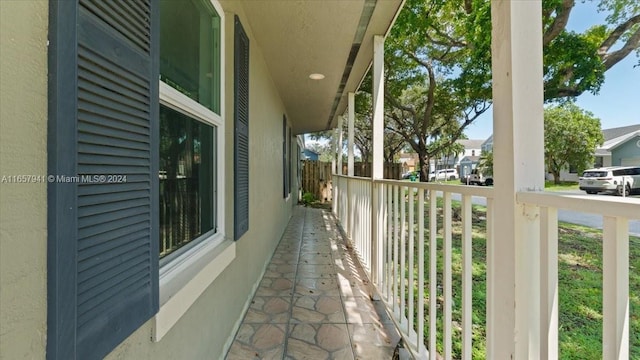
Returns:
<point x="316" y="176"/>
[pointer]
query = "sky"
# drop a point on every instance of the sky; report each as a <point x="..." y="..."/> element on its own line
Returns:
<point x="618" y="102"/>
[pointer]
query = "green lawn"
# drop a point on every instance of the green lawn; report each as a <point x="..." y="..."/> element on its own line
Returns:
<point x="562" y="186"/>
<point x="580" y="284"/>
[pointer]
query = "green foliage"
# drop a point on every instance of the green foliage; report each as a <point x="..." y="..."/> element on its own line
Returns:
<point x="571" y="136"/>
<point x="485" y="165"/>
<point x="308" y="198"/>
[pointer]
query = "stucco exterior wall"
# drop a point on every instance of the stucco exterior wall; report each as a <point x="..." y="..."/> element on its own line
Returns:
<point x="23" y="207"/>
<point x="208" y="326"/>
<point x="628" y="150"/>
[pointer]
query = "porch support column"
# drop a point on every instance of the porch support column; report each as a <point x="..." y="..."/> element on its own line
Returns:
<point x="340" y="142"/>
<point x="350" y="133"/>
<point x="377" y="214"/>
<point x="513" y="253"/>
<point x="334" y="145"/>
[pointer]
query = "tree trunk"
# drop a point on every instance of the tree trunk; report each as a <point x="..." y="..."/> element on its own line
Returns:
<point x="556" y="177"/>
<point x="424" y="166"/>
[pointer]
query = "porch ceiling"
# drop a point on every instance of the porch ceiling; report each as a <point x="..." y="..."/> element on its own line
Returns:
<point x="334" y="38"/>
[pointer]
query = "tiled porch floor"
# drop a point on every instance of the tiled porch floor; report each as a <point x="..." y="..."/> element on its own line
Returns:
<point x="313" y="301"/>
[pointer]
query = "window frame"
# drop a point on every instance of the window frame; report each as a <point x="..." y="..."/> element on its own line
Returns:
<point x="185" y="275"/>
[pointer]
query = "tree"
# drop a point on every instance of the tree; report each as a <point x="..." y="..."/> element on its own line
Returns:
<point x="571" y="136"/>
<point x="485" y="165"/>
<point x="324" y="150"/>
<point x="426" y="104"/>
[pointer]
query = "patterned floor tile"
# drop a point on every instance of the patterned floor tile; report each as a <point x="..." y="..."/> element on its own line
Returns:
<point x="317" y="287"/>
<point x="287" y="271"/>
<point x="373" y="341"/>
<point x="319" y="341"/>
<point x="316" y="271"/>
<point x="316" y="259"/>
<point x="314" y="309"/>
<point x="258" y="341"/>
<point x="275" y="287"/>
<point x="269" y="309"/>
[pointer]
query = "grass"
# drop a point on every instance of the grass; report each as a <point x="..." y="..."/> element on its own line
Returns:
<point x="562" y="186"/>
<point x="580" y="288"/>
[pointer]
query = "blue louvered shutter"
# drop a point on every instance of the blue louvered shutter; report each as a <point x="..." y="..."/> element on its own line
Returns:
<point x="103" y="120"/>
<point x="241" y="137"/>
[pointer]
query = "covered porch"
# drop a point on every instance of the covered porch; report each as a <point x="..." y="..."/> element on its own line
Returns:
<point x="314" y="300"/>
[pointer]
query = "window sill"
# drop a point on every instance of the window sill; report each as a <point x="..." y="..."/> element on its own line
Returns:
<point x="185" y="279"/>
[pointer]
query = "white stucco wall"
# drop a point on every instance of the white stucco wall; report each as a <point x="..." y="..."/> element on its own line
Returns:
<point x="23" y="212"/>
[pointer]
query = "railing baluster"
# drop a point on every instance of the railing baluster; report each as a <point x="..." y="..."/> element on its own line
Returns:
<point x="411" y="263"/>
<point x="420" y="340"/>
<point x="466" y="277"/>
<point x="447" y="278"/>
<point x="396" y="228"/>
<point x="433" y="271"/>
<point x="549" y="282"/>
<point x="615" y="288"/>
<point x="403" y="252"/>
<point x="389" y="239"/>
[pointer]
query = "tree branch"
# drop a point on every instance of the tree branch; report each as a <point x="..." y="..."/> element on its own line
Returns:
<point x="559" y="22"/>
<point x="631" y="44"/>
<point x="616" y="34"/>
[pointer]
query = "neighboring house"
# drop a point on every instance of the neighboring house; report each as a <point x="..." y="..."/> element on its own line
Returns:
<point x="409" y="161"/>
<point x="467" y="164"/>
<point x="190" y="111"/>
<point x="310" y="155"/>
<point x="471" y="148"/>
<point x="487" y="145"/>
<point x="621" y="147"/>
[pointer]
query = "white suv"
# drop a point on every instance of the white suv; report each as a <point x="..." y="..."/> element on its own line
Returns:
<point x="444" y="174"/>
<point x="616" y="179"/>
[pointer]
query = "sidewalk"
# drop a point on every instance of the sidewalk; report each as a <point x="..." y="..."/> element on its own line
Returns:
<point x="313" y="301"/>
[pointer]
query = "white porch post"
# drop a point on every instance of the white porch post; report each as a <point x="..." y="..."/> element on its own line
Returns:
<point x="334" y="142"/>
<point x="377" y="214"/>
<point x="340" y="142"/>
<point x="350" y="138"/>
<point x="513" y="275"/>
<point x="350" y="133"/>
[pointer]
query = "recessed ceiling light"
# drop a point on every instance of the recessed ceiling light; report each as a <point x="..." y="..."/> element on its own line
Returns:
<point x="316" y="76"/>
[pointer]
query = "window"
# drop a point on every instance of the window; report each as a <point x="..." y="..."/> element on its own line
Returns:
<point x="190" y="121"/>
<point x="599" y="162"/>
<point x="186" y="175"/>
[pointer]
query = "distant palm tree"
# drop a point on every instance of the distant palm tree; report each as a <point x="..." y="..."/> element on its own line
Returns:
<point x="485" y="164"/>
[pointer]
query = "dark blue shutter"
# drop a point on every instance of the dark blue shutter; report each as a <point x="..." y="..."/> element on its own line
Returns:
<point x="285" y="191"/>
<point x="241" y="137"/>
<point x="103" y="120"/>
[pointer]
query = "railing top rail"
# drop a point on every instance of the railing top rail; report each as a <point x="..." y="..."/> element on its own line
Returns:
<point x="457" y="189"/>
<point x="352" y="177"/>
<point x="602" y="205"/>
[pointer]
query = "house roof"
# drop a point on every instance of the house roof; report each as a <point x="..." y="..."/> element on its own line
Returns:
<point x="489" y="140"/>
<point x="298" y="38"/>
<point x="471" y="143"/>
<point x="615" y="142"/>
<point x="610" y="134"/>
<point x="470" y="158"/>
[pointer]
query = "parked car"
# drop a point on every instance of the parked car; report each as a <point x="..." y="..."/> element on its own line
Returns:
<point x="478" y="178"/>
<point x="444" y="174"/>
<point x="410" y="175"/>
<point x="621" y="180"/>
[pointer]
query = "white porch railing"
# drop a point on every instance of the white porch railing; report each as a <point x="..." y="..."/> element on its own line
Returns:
<point x="403" y="258"/>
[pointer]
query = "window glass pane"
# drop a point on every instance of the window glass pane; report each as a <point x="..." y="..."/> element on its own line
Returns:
<point x="190" y="50"/>
<point x="187" y="164"/>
